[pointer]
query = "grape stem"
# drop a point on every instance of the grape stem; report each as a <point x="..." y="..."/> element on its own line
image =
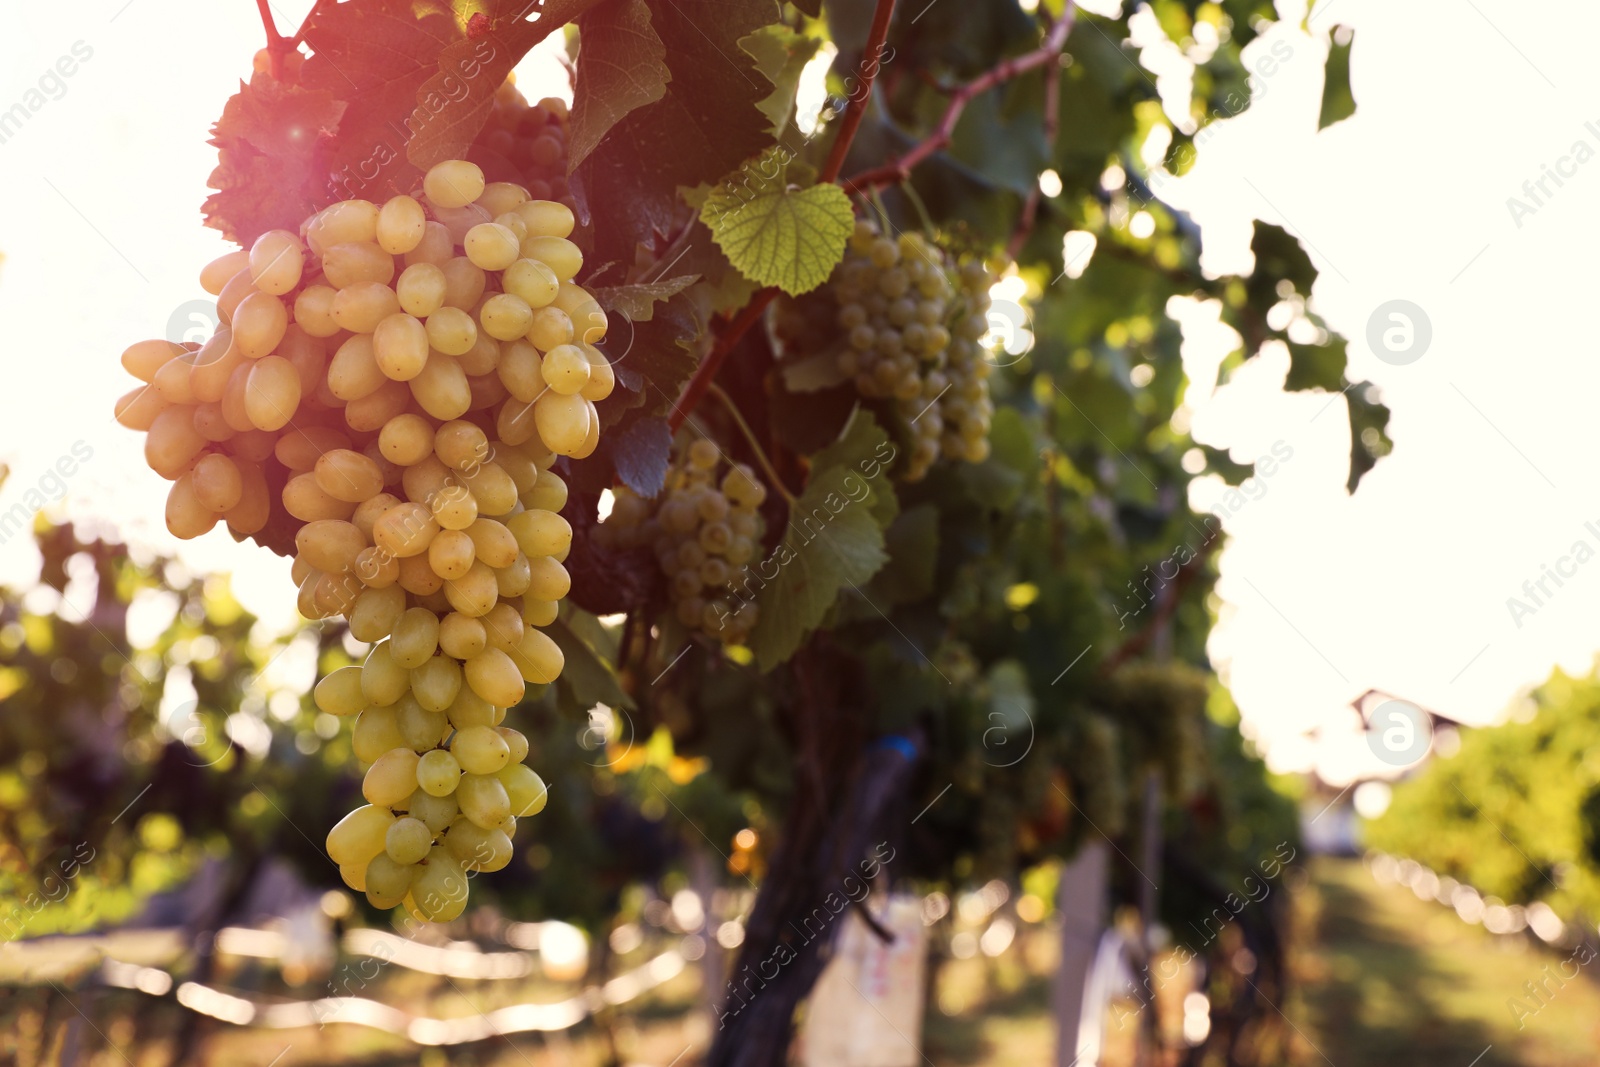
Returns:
<point x="695" y="391"/>
<point x="871" y="53"/>
<point x="898" y="170"/>
<point x="300" y="34"/>
<point x="274" y="38"/>
<point x="707" y="370"/>
<point x="755" y="445"/>
<point x="1052" y="125"/>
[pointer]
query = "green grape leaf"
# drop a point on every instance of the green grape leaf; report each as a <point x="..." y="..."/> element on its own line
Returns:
<point x="621" y="67"/>
<point x="1369" y="433"/>
<point x="586" y="677"/>
<point x="775" y="234"/>
<point x="654" y="357"/>
<point x="1279" y="257"/>
<point x="1338" y="102"/>
<point x="1013" y="442"/>
<point x="1313" y="367"/>
<point x="832" y="543"/>
<point x="864" y="447"/>
<point x="1223" y="465"/>
<point x="780" y="55"/>
<point x="638" y="301"/>
<point x="912" y="541"/>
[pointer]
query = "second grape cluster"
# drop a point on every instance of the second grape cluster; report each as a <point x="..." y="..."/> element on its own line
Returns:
<point x="704" y="528"/>
<point x="908" y="323"/>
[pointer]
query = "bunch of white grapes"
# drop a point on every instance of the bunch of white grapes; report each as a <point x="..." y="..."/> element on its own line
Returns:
<point x="913" y="322"/>
<point x="704" y="528"/>
<point x="393" y="382"/>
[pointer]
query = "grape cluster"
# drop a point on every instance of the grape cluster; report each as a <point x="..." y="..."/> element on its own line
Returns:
<point x="912" y="321"/>
<point x="704" y="528"/>
<point x="393" y="383"/>
<point x="532" y="138"/>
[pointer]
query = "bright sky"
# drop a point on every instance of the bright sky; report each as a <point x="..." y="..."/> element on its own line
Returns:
<point x="1402" y="587"/>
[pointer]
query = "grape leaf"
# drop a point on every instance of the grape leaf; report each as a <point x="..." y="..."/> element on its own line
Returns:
<point x="1369" y="434"/>
<point x="637" y="302"/>
<point x="775" y="234"/>
<point x="863" y="446"/>
<point x="621" y="67"/>
<point x="857" y="443"/>
<point x="452" y="105"/>
<point x="270" y="142"/>
<point x="832" y="543"/>
<point x="1338" y="102"/>
<point x="912" y="541"/>
<point x="704" y="126"/>
<point x="780" y="55"/>
<point x="374" y="56"/>
<point x="640" y="454"/>
<point x="662" y="353"/>
<point x="585" y="676"/>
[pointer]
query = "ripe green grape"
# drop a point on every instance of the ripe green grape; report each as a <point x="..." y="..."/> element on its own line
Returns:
<point x="392" y="778"/>
<point x="407" y="840"/>
<point x="388" y="882"/>
<point x="437" y="773"/>
<point x="480" y="750"/>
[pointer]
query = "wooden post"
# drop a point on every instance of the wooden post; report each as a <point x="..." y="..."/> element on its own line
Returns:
<point x="1149" y="901"/>
<point x="1081" y="901"/>
<point x="713" y="965"/>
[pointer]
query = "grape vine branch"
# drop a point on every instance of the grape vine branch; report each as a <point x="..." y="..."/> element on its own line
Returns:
<point x="898" y="170"/>
<point x="893" y="172"/>
<point x="695" y="391"/>
<point x="876" y="36"/>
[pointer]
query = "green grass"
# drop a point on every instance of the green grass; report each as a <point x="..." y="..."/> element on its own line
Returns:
<point x="1387" y="979"/>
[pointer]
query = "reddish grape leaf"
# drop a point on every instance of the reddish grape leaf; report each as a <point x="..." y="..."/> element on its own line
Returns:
<point x="621" y="65"/>
<point x="272" y="140"/>
<point x="453" y="103"/>
<point x="376" y="54"/>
